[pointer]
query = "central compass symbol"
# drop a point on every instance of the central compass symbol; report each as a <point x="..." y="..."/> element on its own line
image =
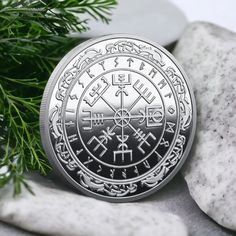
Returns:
<point x="122" y="117"/>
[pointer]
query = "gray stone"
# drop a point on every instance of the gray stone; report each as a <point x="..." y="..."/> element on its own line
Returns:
<point x="174" y="198"/>
<point x="208" y="55"/>
<point x="9" y="230"/>
<point x="138" y="17"/>
<point x="57" y="212"/>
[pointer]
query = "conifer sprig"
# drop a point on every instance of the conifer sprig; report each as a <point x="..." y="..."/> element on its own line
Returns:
<point x="34" y="35"/>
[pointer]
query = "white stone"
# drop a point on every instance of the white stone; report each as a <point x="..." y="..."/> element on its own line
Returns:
<point x="57" y="212"/>
<point x="208" y="55"/>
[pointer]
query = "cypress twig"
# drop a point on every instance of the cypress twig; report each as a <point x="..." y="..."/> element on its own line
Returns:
<point x="34" y="35"/>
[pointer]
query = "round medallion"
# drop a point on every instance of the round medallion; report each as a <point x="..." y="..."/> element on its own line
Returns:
<point x="118" y="117"/>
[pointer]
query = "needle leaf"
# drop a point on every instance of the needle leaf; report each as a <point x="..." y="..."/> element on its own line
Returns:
<point x="34" y="35"/>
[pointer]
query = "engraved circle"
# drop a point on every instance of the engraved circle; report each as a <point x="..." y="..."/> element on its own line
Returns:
<point x="122" y="117"/>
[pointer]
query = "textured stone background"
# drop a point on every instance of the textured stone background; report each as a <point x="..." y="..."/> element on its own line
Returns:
<point x="174" y="197"/>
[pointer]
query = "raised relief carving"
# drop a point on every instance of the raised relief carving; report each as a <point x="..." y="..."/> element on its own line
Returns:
<point x="55" y="125"/>
<point x="114" y="190"/>
<point x="185" y="105"/>
<point x="133" y="48"/>
<point x="72" y="73"/>
<point x="150" y="117"/>
<point x="157" y="176"/>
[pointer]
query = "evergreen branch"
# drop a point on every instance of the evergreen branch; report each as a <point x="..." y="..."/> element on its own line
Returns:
<point x="34" y="35"/>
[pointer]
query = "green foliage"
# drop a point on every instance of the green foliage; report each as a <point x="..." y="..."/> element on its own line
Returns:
<point x="34" y="35"/>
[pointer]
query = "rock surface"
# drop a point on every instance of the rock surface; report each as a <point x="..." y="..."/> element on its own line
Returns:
<point x="138" y="17"/>
<point x="174" y="198"/>
<point x="208" y="55"/>
<point x="57" y="212"/>
<point x="10" y="230"/>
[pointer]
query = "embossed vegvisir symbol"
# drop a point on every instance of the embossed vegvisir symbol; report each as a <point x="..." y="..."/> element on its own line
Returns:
<point x="148" y="116"/>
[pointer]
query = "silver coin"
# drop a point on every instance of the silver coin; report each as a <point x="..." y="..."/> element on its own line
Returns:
<point x="118" y="117"/>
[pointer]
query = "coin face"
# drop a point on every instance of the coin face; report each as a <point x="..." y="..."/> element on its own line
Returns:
<point x="118" y="117"/>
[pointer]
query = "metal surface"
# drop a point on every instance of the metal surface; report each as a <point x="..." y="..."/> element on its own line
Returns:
<point x="118" y="117"/>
